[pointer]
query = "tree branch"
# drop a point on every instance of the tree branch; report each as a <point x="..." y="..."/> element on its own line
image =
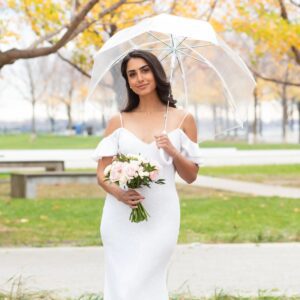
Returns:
<point x="295" y="3"/>
<point x="284" y="15"/>
<point x="46" y="37"/>
<point x="211" y="10"/>
<point x="275" y="80"/>
<point x="73" y="65"/>
<point x="10" y="56"/>
<point x="173" y="6"/>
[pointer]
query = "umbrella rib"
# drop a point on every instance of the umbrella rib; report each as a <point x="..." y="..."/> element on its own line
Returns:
<point x="231" y="101"/>
<point x="154" y="49"/>
<point x="189" y="55"/>
<point x="196" y="46"/>
<point x="151" y="43"/>
<point x="181" y="42"/>
<point x="223" y="132"/>
<point x="108" y="68"/>
<point x="166" y="56"/>
<point x="183" y="78"/>
<point x="162" y="41"/>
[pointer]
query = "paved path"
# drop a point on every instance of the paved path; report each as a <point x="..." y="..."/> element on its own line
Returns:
<point x="211" y="156"/>
<point x="239" y="186"/>
<point x="195" y="269"/>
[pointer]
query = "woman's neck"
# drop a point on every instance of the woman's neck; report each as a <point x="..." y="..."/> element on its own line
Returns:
<point x="150" y="103"/>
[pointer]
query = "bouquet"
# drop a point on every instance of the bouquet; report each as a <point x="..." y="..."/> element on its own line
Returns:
<point x="133" y="171"/>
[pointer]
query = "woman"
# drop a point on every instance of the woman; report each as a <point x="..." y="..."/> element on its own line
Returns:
<point x="137" y="254"/>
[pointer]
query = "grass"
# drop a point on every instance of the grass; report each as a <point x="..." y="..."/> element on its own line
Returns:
<point x="221" y="296"/>
<point x="19" y="291"/>
<point x="286" y="175"/>
<point x="70" y="214"/>
<point x="206" y="216"/>
<point x="48" y="141"/>
<point x="243" y="145"/>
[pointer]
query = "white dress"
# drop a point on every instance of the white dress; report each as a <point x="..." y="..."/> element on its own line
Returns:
<point x="137" y="255"/>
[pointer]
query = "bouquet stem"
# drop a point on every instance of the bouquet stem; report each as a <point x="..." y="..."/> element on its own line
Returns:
<point x="139" y="214"/>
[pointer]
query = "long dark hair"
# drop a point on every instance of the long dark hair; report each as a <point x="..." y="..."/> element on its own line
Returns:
<point x="163" y="87"/>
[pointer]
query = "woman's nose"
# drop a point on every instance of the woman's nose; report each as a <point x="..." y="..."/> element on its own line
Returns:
<point x="139" y="76"/>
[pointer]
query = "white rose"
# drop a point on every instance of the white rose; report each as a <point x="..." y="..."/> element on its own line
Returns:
<point x="107" y="170"/>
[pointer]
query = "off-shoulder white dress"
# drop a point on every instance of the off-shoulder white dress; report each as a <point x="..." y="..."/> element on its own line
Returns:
<point x="137" y="255"/>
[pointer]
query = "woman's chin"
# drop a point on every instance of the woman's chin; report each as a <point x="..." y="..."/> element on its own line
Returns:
<point x="145" y="92"/>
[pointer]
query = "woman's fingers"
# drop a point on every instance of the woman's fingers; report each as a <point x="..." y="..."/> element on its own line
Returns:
<point x="132" y="198"/>
<point x="134" y="203"/>
<point x="134" y="193"/>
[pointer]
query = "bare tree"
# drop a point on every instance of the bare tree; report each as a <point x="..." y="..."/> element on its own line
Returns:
<point x="65" y="88"/>
<point x="30" y="79"/>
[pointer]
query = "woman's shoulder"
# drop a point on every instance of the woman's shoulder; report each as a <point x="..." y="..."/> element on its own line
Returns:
<point x="180" y="112"/>
<point x="113" y="124"/>
<point x="186" y="122"/>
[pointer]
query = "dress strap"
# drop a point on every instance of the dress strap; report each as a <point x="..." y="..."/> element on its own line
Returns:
<point x="183" y="119"/>
<point x="121" y="119"/>
<point x="166" y="118"/>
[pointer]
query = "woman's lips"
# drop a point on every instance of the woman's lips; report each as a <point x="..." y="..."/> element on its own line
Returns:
<point x="141" y="86"/>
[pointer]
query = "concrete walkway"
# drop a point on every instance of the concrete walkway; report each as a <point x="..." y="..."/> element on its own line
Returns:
<point x="252" y="188"/>
<point x="195" y="269"/>
<point x="211" y="156"/>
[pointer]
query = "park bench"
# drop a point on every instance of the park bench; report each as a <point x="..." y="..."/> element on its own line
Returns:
<point x="24" y="185"/>
<point x="49" y="165"/>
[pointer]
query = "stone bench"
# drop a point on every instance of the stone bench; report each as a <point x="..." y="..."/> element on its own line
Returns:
<point x="24" y="185"/>
<point x="49" y="165"/>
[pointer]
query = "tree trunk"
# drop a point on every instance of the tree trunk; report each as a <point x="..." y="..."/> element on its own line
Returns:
<point x="33" y="119"/>
<point x="291" y="115"/>
<point x="52" y="124"/>
<point x="227" y="121"/>
<point x="284" y="109"/>
<point x="284" y="114"/>
<point x="69" y="113"/>
<point x="298" y="106"/>
<point x="255" y="117"/>
<point x="260" y="121"/>
<point x="215" y="118"/>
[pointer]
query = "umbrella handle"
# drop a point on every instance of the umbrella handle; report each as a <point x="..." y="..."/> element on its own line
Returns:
<point x="166" y="161"/>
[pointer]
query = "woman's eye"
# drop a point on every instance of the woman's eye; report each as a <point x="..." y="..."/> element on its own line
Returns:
<point x="131" y="75"/>
<point x="146" y="70"/>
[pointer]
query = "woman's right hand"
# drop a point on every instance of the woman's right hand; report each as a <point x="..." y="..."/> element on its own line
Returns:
<point x="130" y="197"/>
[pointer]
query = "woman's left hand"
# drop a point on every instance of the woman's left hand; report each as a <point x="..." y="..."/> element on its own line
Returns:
<point x="162" y="141"/>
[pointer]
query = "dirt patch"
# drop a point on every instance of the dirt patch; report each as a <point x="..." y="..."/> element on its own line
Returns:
<point x="70" y="190"/>
<point x="276" y="179"/>
<point x="192" y="191"/>
<point x="5" y="229"/>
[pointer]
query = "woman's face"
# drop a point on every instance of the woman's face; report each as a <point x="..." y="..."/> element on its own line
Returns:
<point x="140" y="77"/>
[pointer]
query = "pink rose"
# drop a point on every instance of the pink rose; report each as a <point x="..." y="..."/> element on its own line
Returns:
<point x="116" y="171"/>
<point x="153" y="175"/>
<point x="130" y="170"/>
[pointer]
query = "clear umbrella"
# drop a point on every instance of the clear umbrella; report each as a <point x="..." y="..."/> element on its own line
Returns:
<point x="206" y="76"/>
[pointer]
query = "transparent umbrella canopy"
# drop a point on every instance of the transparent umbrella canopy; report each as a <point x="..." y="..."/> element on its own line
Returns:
<point x="207" y="77"/>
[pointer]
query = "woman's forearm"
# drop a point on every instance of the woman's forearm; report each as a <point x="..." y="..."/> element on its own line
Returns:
<point x="110" y="188"/>
<point x="186" y="169"/>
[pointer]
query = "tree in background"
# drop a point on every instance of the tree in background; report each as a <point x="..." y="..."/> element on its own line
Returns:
<point x="270" y="29"/>
<point x="67" y="88"/>
<point x="31" y="79"/>
<point x="265" y="32"/>
<point x="57" y="23"/>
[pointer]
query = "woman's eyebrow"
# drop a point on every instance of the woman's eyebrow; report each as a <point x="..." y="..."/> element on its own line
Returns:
<point x="139" y="68"/>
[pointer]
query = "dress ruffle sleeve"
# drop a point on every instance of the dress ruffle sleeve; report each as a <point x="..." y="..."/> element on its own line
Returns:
<point x="191" y="150"/>
<point x="108" y="146"/>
